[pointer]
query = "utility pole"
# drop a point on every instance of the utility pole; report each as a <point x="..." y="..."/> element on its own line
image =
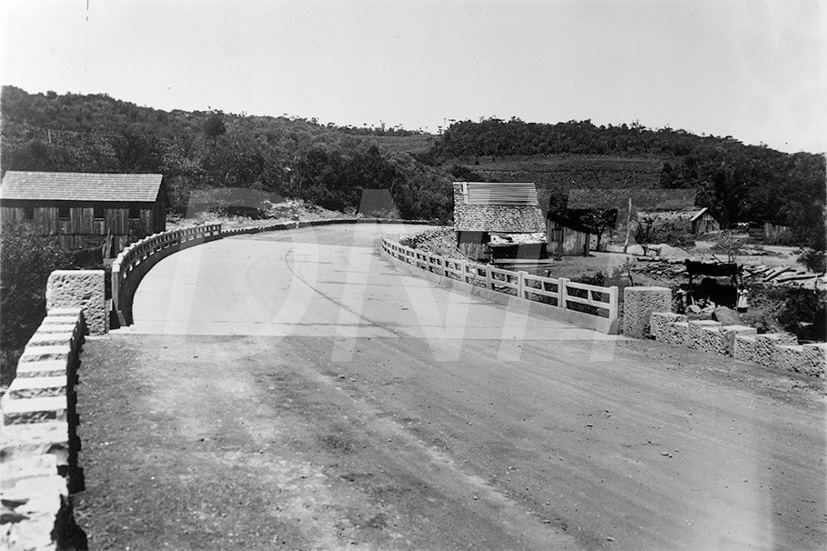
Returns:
<point x="628" y="225"/>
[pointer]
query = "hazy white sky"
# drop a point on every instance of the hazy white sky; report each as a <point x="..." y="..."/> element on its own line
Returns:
<point x="753" y="69"/>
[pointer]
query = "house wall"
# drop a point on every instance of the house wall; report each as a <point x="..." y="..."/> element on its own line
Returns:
<point x="472" y="244"/>
<point x="705" y="224"/>
<point x="81" y="229"/>
<point x="573" y="242"/>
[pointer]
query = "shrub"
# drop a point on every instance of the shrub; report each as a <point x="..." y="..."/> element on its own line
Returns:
<point x="26" y="260"/>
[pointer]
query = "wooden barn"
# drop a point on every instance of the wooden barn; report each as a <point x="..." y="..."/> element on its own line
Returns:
<point x="567" y="237"/>
<point x="86" y="210"/>
<point x="704" y="222"/>
<point x="684" y="221"/>
<point x="498" y="221"/>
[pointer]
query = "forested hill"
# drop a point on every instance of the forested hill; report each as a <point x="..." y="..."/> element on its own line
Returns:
<point x="291" y="157"/>
<point x="331" y="165"/>
<point x="740" y="183"/>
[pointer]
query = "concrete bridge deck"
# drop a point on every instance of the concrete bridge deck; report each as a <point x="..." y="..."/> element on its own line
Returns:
<point x="295" y="390"/>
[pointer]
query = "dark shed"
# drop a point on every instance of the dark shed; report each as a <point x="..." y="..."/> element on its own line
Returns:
<point x="86" y="210"/>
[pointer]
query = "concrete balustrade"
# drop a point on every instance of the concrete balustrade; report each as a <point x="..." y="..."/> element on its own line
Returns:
<point x="38" y="441"/>
<point x="558" y="298"/>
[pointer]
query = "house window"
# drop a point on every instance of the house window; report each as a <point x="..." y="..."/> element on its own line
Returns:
<point x="134" y="212"/>
<point x="97" y="213"/>
<point x="28" y="213"/>
<point x="63" y="213"/>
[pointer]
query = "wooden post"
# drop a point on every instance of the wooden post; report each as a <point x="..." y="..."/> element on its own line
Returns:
<point x="628" y="222"/>
<point x="488" y="284"/>
<point x="561" y="292"/>
<point x="463" y="269"/>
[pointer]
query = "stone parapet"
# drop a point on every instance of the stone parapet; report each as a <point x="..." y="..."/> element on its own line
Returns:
<point x="638" y="305"/>
<point x="775" y="350"/>
<point x="38" y="448"/>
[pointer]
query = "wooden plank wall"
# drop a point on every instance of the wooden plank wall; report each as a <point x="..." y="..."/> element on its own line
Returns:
<point x="82" y="230"/>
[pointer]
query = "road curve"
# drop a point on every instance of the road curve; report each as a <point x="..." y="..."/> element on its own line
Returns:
<point x="347" y="403"/>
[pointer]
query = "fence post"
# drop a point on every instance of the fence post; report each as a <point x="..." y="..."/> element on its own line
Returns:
<point x="488" y="284"/>
<point x="561" y="292"/>
<point x="520" y="283"/>
<point x="614" y="303"/>
<point x="463" y="268"/>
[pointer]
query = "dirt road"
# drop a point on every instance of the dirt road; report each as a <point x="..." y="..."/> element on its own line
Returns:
<point x="294" y="390"/>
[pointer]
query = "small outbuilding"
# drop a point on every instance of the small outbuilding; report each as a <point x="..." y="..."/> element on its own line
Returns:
<point x="86" y="210"/>
<point x="695" y="221"/>
<point x="567" y="237"/>
<point x="499" y="221"/>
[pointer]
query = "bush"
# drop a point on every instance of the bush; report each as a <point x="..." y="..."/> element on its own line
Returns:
<point x="814" y="260"/>
<point x="804" y="314"/>
<point x="26" y="260"/>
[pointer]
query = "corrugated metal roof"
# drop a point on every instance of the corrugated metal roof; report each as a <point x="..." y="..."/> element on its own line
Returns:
<point x="79" y="186"/>
<point x="500" y="193"/>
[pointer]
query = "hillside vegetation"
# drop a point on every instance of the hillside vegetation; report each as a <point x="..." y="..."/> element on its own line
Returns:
<point x="330" y="165"/>
<point x="739" y="183"/>
<point x="295" y="158"/>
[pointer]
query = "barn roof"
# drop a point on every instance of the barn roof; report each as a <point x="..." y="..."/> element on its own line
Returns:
<point x="79" y="186"/>
<point x="497" y="207"/>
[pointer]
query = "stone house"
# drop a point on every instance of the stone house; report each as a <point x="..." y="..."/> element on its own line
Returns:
<point x="498" y="221"/>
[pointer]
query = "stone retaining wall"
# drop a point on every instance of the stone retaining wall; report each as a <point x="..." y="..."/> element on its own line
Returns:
<point x="777" y="350"/>
<point x="38" y="439"/>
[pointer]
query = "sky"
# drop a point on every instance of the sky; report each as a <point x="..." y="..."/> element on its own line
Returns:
<point x="754" y="70"/>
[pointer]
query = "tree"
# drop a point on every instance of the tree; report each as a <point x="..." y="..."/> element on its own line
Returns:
<point x="214" y="126"/>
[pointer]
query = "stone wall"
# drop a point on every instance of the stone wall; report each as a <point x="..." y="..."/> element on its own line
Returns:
<point x="776" y="350"/>
<point x="39" y="444"/>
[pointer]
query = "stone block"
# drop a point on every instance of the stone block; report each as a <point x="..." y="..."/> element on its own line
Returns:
<point x="83" y="289"/>
<point x="33" y="494"/>
<point x="816" y="357"/>
<point x="675" y="333"/>
<point x="46" y="353"/>
<point x="34" y="410"/>
<point x="660" y="320"/>
<point x="22" y="388"/>
<point x="21" y="442"/>
<point x="699" y="338"/>
<point x="53" y="368"/>
<point x="744" y="347"/>
<point x="57" y="326"/>
<point x="51" y="338"/>
<point x="638" y="305"/>
<point x="789" y="357"/>
<point x="730" y="332"/>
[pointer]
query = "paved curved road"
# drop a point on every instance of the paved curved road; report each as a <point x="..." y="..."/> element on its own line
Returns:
<point x="293" y="389"/>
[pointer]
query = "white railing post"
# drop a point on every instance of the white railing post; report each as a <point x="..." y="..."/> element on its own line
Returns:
<point x="561" y="292"/>
<point x="520" y="284"/>
<point x="463" y="268"/>
<point x="614" y="305"/>
<point x="488" y="278"/>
